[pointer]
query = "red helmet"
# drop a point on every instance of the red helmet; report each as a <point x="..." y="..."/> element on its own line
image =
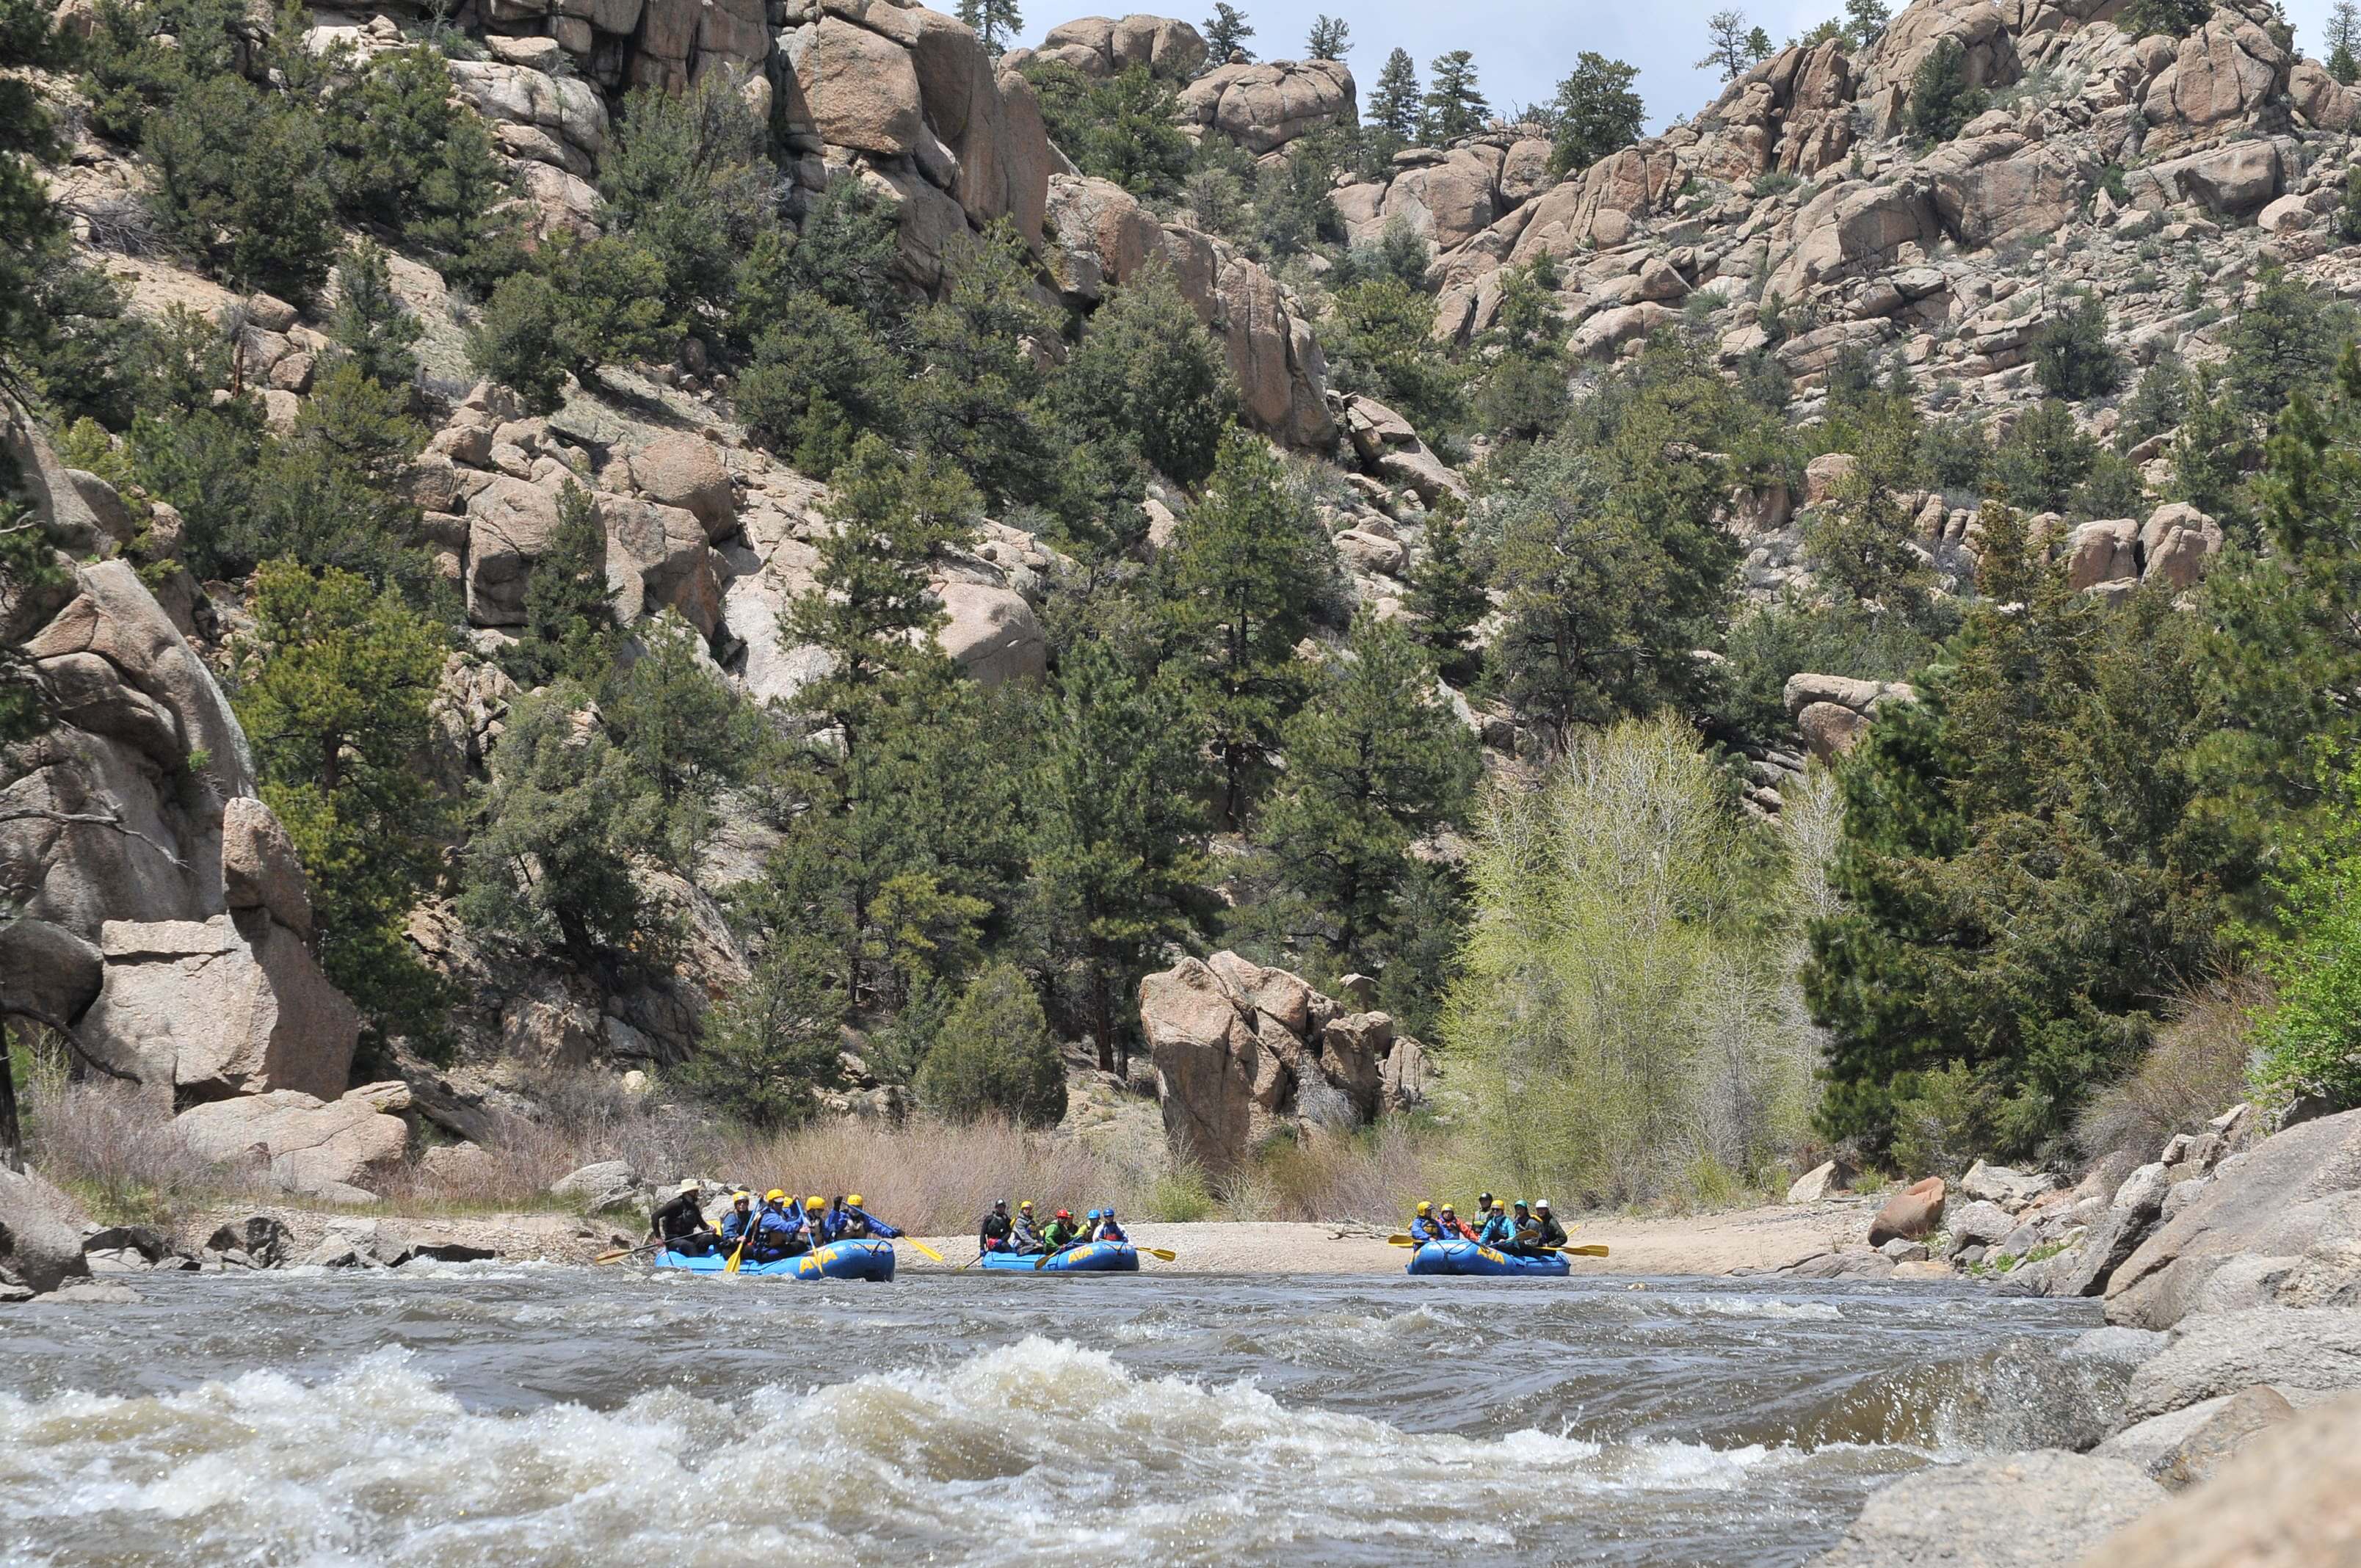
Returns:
<point x="1065" y="1213"/>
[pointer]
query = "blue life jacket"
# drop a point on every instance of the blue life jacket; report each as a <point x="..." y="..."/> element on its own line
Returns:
<point x="1497" y="1231"/>
<point x="776" y="1230"/>
<point x="1425" y="1230"/>
<point x="1109" y="1231"/>
<point x="878" y="1227"/>
<point x="735" y="1224"/>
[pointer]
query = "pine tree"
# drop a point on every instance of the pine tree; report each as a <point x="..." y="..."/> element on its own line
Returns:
<point x="1864" y="23"/>
<point x="1238" y="591"/>
<point x="1330" y="39"/>
<point x="997" y="22"/>
<point x="684" y="736"/>
<point x="1447" y="597"/>
<point x="1148" y="375"/>
<point x="1375" y="761"/>
<point x="1732" y="44"/>
<point x="370" y="323"/>
<point x="1227" y="31"/>
<point x="2344" y="40"/>
<point x="1116" y="850"/>
<point x="569" y="616"/>
<point x="1942" y="102"/>
<point x="870" y="607"/>
<point x="775" y="1039"/>
<point x="1597" y="113"/>
<point x="1454" y="107"/>
<point x="334" y="696"/>
<point x="1393" y="108"/>
<point x="995" y="1056"/>
<point x="2283" y="341"/>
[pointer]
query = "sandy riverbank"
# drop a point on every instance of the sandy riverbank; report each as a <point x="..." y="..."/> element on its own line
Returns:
<point x="1749" y="1240"/>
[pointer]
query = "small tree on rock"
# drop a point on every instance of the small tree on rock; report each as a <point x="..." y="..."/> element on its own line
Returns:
<point x="1597" y="113"/>
<point x="1940" y="99"/>
<point x="1454" y="107"/>
<point x="1733" y="46"/>
<point x="1226" y="32"/>
<point x="1330" y="39"/>
<point x="1394" y="101"/>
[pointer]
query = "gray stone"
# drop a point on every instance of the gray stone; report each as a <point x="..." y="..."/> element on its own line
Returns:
<point x="605" y="1184"/>
<point x="2012" y="1190"/>
<point x="2291" y="1499"/>
<point x="260" y="1241"/>
<point x="92" y="1293"/>
<point x="1827" y="1180"/>
<point x="1901" y="1251"/>
<point x="260" y="868"/>
<point x="2220" y="1352"/>
<point x="325" y="1148"/>
<point x="2022" y="1510"/>
<point x="2116" y="1347"/>
<point x="47" y="967"/>
<point x="40" y="1238"/>
<point x="2189" y="1446"/>
<point x="1979" y="1224"/>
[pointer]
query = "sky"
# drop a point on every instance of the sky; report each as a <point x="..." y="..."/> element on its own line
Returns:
<point x="1523" y="47"/>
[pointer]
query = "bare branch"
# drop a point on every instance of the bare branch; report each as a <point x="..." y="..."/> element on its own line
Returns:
<point x="88" y="819"/>
<point x="64" y="1031"/>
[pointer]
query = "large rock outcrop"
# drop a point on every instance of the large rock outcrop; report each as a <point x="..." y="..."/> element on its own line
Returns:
<point x="2291" y="1499"/>
<point x="1107" y="236"/>
<point x="326" y="1147"/>
<point x="1265" y="105"/>
<point x="1101" y="46"/>
<point x="2019" y="1510"/>
<point x="1242" y="1052"/>
<point x="40" y="1238"/>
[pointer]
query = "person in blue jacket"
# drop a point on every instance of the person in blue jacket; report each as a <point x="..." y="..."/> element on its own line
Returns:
<point x="777" y="1231"/>
<point x="1497" y="1232"/>
<point x="738" y="1220"/>
<point x="1524" y="1232"/>
<point x="1426" y="1227"/>
<point x="817" y="1232"/>
<point x="860" y="1224"/>
<point x="1108" y="1230"/>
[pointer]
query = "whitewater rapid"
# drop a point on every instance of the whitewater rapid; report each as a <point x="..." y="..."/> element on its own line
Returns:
<point x="490" y="1415"/>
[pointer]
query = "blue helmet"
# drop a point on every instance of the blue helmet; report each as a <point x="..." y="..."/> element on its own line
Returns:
<point x="1094" y="1214"/>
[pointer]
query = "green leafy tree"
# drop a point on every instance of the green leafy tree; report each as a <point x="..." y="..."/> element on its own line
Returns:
<point x="570" y="614"/>
<point x="1330" y="39"/>
<point x="370" y="321"/>
<point x="775" y="1039"/>
<point x="2158" y="404"/>
<point x="1237" y="592"/>
<point x="1116" y="850"/>
<point x="334" y="695"/>
<point x="1733" y="46"/>
<point x="1597" y="112"/>
<point x="549" y="863"/>
<point x="2072" y="356"/>
<point x="1375" y="761"/>
<point x="1149" y="376"/>
<point x="996" y="1055"/>
<point x="1941" y="99"/>
<point x="1226" y="32"/>
<point x="2308" y="1041"/>
<point x="995" y="21"/>
<point x="1453" y="108"/>
<point x="1393" y="107"/>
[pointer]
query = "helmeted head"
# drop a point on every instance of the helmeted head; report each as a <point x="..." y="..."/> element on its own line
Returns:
<point x="1483" y="1201"/>
<point x="692" y="1185"/>
<point x="1449" y="1212"/>
<point x="1026" y="1207"/>
<point x="1000" y="1205"/>
<point x="815" y="1204"/>
<point x="776" y="1195"/>
<point x="1542" y="1206"/>
<point x="1066" y="1214"/>
<point x="1426" y="1208"/>
<point x="853" y="1201"/>
<point x="740" y="1198"/>
<point x="1521" y="1205"/>
<point x="1496" y="1207"/>
<point x="1108" y="1211"/>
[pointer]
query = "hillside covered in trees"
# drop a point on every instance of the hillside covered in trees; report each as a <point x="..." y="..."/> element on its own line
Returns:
<point x="799" y="550"/>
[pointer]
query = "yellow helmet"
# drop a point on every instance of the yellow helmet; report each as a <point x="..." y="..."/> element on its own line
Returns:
<point x="1028" y="1204"/>
<point x="741" y="1196"/>
<point x="815" y="1203"/>
<point x="774" y="1196"/>
<point x="1426" y="1208"/>
<point x="853" y="1201"/>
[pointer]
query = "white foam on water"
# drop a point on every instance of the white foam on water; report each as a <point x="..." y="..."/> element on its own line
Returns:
<point x="1763" y="1307"/>
<point x="1038" y="1448"/>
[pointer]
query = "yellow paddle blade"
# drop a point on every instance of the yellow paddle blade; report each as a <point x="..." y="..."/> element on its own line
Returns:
<point x="924" y="1249"/>
<point x="731" y="1266"/>
<point x="1161" y="1254"/>
<point x="1595" y="1249"/>
<point x="1400" y="1240"/>
<point x="612" y="1255"/>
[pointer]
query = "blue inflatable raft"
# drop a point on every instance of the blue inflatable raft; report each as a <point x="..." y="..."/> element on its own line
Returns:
<point x="837" y="1260"/>
<point x="1466" y="1257"/>
<point x="1091" y="1258"/>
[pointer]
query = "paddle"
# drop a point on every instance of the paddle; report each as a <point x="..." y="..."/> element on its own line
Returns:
<point x="617" y="1255"/>
<point x="930" y="1251"/>
<point x="744" y="1236"/>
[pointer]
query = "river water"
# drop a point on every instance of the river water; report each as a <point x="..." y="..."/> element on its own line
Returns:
<point x="497" y="1414"/>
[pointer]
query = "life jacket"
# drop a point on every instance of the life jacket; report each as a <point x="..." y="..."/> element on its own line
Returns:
<point x="735" y="1224"/>
<point x="991" y="1234"/>
<point x="1109" y="1231"/>
<point x="862" y="1222"/>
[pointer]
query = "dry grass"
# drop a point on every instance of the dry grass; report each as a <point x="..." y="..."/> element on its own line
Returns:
<point x="2194" y="1071"/>
<point x="110" y="1148"/>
